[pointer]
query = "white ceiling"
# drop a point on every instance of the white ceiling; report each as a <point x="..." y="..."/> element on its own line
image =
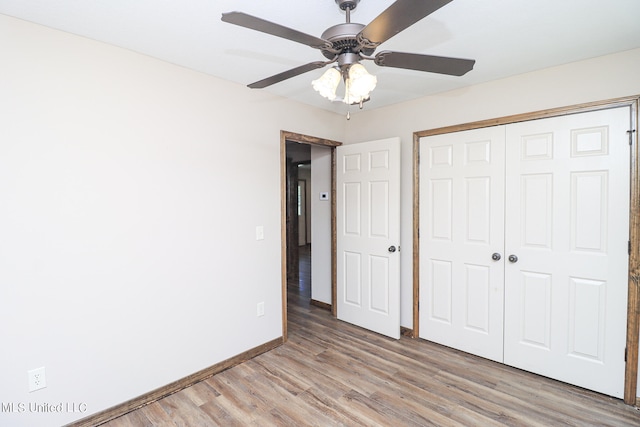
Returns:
<point x="505" y="37"/>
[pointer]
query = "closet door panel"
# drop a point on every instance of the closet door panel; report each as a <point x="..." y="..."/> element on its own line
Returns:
<point x="567" y="212"/>
<point x="462" y="226"/>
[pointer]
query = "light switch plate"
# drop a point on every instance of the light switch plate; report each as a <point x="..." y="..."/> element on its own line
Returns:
<point x="260" y="309"/>
<point x="324" y="196"/>
<point x="259" y="232"/>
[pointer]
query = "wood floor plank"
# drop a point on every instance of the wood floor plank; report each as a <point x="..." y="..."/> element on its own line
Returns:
<point x="436" y="399"/>
<point x="136" y="419"/>
<point x="573" y="403"/>
<point x="183" y="412"/>
<point x="238" y="398"/>
<point x="156" y="415"/>
<point x="307" y="369"/>
<point x="220" y="416"/>
<point x="332" y="408"/>
<point x="283" y="403"/>
<point x="435" y="413"/>
<point x="367" y="411"/>
<point x="200" y="393"/>
<point x="494" y="404"/>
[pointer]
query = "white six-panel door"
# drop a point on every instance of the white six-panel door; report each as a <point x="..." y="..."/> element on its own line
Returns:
<point x="565" y="189"/>
<point x="461" y="227"/>
<point x="368" y="235"/>
<point x="566" y="295"/>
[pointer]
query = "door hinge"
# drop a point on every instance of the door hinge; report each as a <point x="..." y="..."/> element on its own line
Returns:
<point x="631" y="132"/>
<point x="625" y="354"/>
<point x="629" y="247"/>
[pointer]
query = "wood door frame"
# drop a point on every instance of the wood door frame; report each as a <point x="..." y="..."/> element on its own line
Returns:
<point x="310" y="140"/>
<point x="633" y="299"/>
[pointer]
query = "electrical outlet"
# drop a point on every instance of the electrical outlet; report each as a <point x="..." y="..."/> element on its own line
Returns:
<point x="260" y="309"/>
<point x="37" y="379"/>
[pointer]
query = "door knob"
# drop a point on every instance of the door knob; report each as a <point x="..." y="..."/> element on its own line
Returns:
<point x="496" y="256"/>
<point x="513" y="258"/>
<point x="392" y="248"/>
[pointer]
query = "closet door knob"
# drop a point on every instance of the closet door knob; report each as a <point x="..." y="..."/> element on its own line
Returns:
<point x="513" y="258"/>
<point x="392" y="248"/>
<point x="496" y="256"/>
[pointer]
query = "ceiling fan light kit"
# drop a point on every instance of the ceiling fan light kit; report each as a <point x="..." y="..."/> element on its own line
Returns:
<point x="358" y="84"/>
<point x="349" y="43"/>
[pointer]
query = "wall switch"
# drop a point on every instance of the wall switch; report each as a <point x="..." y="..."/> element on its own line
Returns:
<point x="260" y="309"/>
<point x="324" y="196"/>
<point x="260" y="232"/>
<point x="37" y="379"/>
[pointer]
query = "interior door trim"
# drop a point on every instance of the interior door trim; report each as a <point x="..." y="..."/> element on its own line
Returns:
<point x="311" y="140"/>
<point x="633" y="304"/>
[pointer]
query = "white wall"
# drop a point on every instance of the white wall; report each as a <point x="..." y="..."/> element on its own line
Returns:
<point x="321" y="224"/>
<point x="592" y="80"/>
<point x="130" y="190"/>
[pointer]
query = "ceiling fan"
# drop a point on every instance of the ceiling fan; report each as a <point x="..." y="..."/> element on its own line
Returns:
<point x="348" y="43"/>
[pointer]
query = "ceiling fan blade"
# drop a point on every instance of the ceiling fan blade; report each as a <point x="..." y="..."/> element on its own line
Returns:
<point x="259" y="24"/>
<point x="429" y="63"/>
<point x="287" y="74"/>
<point x="397" y="17"/>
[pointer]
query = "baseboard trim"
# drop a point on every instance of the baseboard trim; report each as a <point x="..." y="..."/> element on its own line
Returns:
<point x="320" y="304"/>
<point x="174" y="387"/>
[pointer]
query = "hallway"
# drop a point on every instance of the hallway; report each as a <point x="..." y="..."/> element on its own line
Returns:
<point x="300" y="293"/>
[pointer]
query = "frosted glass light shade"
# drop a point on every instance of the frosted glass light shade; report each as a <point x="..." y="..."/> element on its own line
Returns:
<point x="327" y="84"/>
<point x="359" y="85"/>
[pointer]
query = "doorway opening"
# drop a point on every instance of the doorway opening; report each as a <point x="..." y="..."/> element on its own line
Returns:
<point x="308" y="221"/>
<point x="298" y="219"/>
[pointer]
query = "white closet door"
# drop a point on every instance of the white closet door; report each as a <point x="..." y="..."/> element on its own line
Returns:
<point x="567" y="215"/>
<point x="461" y="226"/>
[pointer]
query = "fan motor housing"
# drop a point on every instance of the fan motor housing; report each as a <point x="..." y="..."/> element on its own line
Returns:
<point x="343" y="37"/>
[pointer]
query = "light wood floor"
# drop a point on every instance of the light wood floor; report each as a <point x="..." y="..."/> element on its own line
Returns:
<point x="330" y="373"/>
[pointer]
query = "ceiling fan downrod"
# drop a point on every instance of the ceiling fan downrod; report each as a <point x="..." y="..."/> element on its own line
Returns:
<point x="347" y="6"/>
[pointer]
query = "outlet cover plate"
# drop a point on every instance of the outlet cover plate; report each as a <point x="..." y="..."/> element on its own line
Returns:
<point x="37" y="379"/>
